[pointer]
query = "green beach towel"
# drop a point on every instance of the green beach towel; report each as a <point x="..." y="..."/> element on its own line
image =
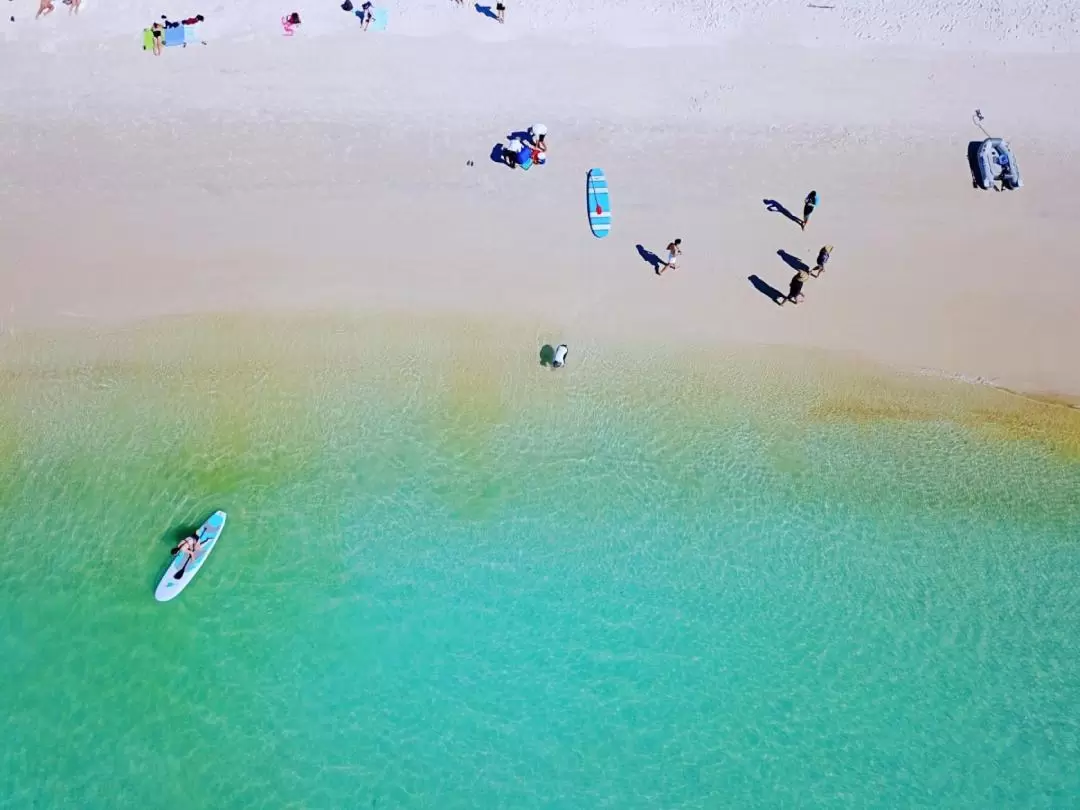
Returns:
<point x="147" y="40"/>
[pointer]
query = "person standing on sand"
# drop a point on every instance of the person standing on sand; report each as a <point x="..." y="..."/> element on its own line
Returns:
<point x="809" y="204"/>
<point x="500" y="11"/>
<point x="73" y="7"/>
<point x="674" y="251"/>
<point x="45" y="8"/>
<point x="822" y="260"/>
<point x="155" y="31"/>
<point x="795" y="293"/>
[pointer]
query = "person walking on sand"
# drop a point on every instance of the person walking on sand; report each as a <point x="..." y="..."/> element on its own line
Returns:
<point x="45" y="8"/>
<point x="822" y="260"/>
<point x="809" y="204"/>
<point x="795" y="293"/>
<point x="674" y="251"/>
<point x="500" y="11"/>
<point x="73" y="6"/>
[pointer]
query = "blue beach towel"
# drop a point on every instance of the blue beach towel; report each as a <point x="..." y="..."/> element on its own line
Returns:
<point x="379" y="18"/>
<point x="174" y="36"/>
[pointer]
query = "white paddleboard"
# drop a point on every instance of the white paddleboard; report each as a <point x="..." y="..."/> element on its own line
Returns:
<point x="208" y="534"/>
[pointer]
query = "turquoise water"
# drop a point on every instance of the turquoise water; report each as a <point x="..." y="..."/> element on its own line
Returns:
<point x="452" y="579"/>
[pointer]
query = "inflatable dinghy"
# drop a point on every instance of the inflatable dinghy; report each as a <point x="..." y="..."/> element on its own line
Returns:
<point x="997" y="165"/>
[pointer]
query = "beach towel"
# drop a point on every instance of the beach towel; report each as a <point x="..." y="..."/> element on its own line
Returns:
<point x="379" y="18"/>
<point x="147" y="40"/>
<point x="174" y="36"/>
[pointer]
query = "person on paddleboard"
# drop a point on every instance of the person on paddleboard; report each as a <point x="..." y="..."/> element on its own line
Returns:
<point x="189" y="545"/>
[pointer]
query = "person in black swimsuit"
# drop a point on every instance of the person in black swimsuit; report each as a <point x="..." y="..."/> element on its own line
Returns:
<point x="156" y="31"/>
<point x="500" y="11"/>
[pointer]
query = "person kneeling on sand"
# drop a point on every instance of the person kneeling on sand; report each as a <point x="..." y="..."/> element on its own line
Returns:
<point x="511" y="151"/>
<point x="537" y="134"/>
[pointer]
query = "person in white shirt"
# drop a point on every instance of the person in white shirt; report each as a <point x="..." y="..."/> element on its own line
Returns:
<point x="558" y="360"/>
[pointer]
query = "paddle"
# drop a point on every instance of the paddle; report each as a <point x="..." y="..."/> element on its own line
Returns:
<point x="179" y="574"/>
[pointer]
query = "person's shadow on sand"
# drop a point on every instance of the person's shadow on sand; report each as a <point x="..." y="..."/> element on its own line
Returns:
<point x="650" y="257"/>
<point x="767" y="289"/>
<point x="500" y="155"/>
<point x="486" y="11"/>
<point x="778" y="208"/>
<point x="973" y="162"/>
<point x="794" y="262"/>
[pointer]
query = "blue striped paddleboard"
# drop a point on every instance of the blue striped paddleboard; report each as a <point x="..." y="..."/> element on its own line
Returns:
<point x="208" y="534"/>
<point x="598" y="203"/>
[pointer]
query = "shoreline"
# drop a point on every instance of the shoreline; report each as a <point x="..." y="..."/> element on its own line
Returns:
<point x="483" y="360"/>
<point x="73" y="327"/>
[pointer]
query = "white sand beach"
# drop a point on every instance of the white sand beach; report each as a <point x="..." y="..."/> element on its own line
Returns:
<point x="328" y="171"/>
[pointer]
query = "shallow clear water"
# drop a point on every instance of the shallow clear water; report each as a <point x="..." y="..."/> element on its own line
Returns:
<point x="453" y="579"/>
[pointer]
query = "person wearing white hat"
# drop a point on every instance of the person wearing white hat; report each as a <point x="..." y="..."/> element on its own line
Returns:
<point x="511" y="150"/>
<point x="537" y="134"/>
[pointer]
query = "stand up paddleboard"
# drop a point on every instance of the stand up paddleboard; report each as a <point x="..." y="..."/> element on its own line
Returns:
<point x="208" y="534"/>
<point x="598" y="203"/>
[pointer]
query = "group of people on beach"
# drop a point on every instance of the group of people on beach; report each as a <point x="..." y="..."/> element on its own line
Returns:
<point x="366" y="12"/>
<point x="157" y="29"/>
<point x="526" y="148"/>
<point x="795" y="286"/>
<point x="802" y="272"/>
<point x="46" y="7"/>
